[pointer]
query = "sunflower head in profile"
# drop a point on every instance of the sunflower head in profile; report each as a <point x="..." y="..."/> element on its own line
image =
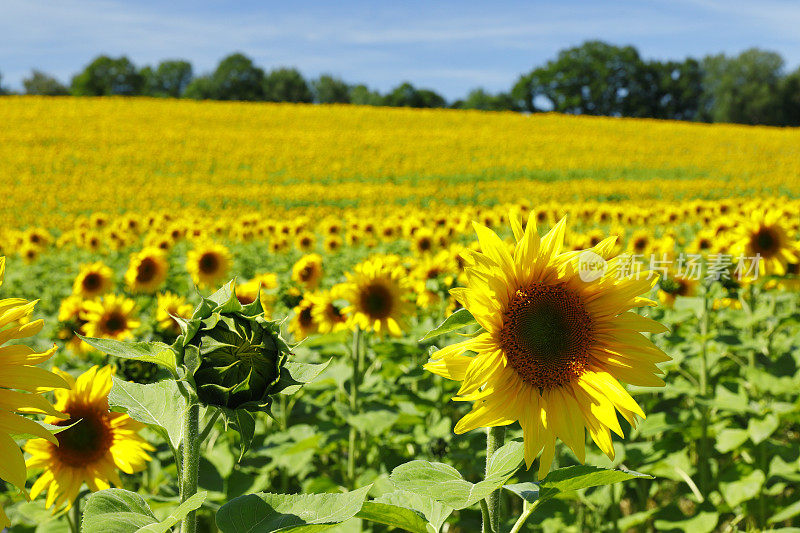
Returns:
<point x="112" y="317"/>
<point x="767" y="234"/>
<point x="308" y="271"/>
<point x="93" y="280"/>
<point x="21" y="385"/>
<point x="303" y="322"/>
<point x="147" y="270"/>
<point x="98" y="444"/>
<point x="169" y="305"/>
<point x="377" y="291"/>
<point x="670" y="288"/>
<point x="327" y="310"/>
<point x="208" y="263"/>
<point x="553" y="346"/>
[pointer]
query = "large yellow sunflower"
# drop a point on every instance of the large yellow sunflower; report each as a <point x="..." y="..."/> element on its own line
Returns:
<point x="767" y="235"/>
<point x="208" y="263"/>
<point x="147" y="270"/>
<point x="20" y="384"/>
<point x="91" y="452"/>
<point x="93" y="280"/>
<point x="553" y="345"/>
<point x="377" y="291"/>
<point x="112" y="317"/>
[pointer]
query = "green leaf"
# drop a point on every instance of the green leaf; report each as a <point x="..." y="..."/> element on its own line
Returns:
<point x="787" y="513"/>
<point x="150" y="352"/>
<point x="743" y="489"/>
<point x="373" y="422"/>
<point x="761" y="429"/>
<point x="703" y="522"/>
<point x="244" y="423"/>
<point x="394" y="516"/>
<point x="528" y="491"/>
<point x="434" y="512"/>
<point x="123" y="511"/>
<point x="298" y="513"/>
<point x="445" y="484"/>
<point x="160" y="405"/>
<point x="695" y="304"/>
<point x="730" y="439"/>
<point x="295" y="374"/>
<point x="459" y="319"/>
<point x="578" y="477"/>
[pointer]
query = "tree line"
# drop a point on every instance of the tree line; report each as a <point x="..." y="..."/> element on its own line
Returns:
<point x="595" y="78"/>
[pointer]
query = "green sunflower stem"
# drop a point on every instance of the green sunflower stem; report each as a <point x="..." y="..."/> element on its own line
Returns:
<point x="527" y="511"/>
<point x="75" y="513"/>
<point x="354" y="384"/>
<point x="494" y="440"/>
<point x="703" y="454"/>
<point x="190" y="454"/>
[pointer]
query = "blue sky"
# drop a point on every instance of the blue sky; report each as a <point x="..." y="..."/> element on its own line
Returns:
<point x="449" y="46"/>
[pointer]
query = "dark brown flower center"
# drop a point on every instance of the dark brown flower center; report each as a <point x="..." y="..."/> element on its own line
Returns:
<point x="546" y="335"/>
<point x="115" y="323"/>
<point x="765" y="241"/>
<point x="376" y="301"/>
<point x="87" y="441"/>
<point x="92" y="281"/>
<point x="305" y="318"/>
<point x="209" y="263"/>
<point x="306" y="273"/>
<point x="146" y="270"/>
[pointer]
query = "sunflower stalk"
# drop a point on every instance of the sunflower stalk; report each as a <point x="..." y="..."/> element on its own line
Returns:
<point x="705" y="474"/>
<point x="494" y="440"/>
<point x="354" y="385"/>
<point x="190" y="452"/>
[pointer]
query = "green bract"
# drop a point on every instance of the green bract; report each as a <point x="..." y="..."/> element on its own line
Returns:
<point x="234" y="355"/>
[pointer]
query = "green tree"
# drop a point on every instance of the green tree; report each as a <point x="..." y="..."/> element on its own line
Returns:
<point x="677" y="89"/>
<point x="235" y="78"/>
<point x="744" y="89"/>
<point x="3" y="90"/>
<point x="106" y="76"/>
<point x="480" y="99"/>
<point x="330" y="90"/>
<point x="790" y="99"/>
<point x="199" y="89"/>
<point x="286" y="85"/>
<point x="43" y="84"/>
<point x="406" y="95"/>
<point x="362" y="95"/>
<point x="169" y="79"/>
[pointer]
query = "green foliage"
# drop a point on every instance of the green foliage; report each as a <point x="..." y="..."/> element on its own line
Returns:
<point x="43" y="84"/>
<point x="286" y="85"/>
<point x="330" y="90"/>
<point x="159" y="405"/>
<point x="461" y="318"/>
<point x="406" y="95"/>
<point x="106" y="76"/>
<point x="169" y="79"/>
<point x="123" y="511"/>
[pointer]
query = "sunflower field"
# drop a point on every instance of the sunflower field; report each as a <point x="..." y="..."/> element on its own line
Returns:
<point x="272" y="317"/>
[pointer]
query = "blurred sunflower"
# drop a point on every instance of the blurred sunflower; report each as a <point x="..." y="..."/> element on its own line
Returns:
<point x="671" y="288"/>
<point x="70" y="315"/>
<point x="327" y="310"/>
<point x="21" y="383"/>
<point x="93" y="280"/>
<point x="263" y="284"/>
<point x="147" y="270"/>
<point x="303" y="324"/>
<point x="553" y="346"/>
<point x="111" y="317"/>
<point x="208" y="263"/>
<point x="377" y="291"/>
<point x="308" y="271"/>
<point x="169" y="305"/>
<point x="767" y="235"/>
<point x="305" y="241"/>
<point x="93" y="449"/>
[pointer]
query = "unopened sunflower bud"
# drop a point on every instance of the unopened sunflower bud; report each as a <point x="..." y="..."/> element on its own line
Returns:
<point x="235" y="355"/>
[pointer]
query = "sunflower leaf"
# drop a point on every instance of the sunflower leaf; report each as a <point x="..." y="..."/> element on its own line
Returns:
<point x="123" y="511"/>
<point x="394" y="516"/>
<point x="295" y="374"/>
<point x="434" y="512"/>
<point x="445" y="484"/>
<point x="150" y="352"/>
<point x="459" y="319"/>
<point x="160" y="405"/>
<point x="265" y="512"/>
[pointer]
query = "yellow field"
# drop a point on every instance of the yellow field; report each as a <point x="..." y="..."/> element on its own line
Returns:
<point x="75" y="156"/>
